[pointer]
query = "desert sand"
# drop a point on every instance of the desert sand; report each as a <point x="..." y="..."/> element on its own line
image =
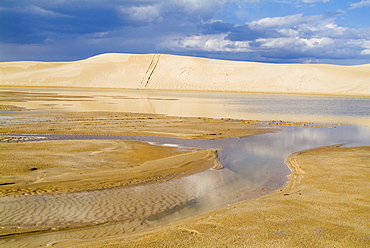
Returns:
<point x="326" y="204"/>
<point x="169" y="72"/>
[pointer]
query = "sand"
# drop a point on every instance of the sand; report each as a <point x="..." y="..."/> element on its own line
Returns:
<point x="44" y="167"/>
<point x="326" y="204"/>
<point x="57" y="173"/>
<point x="169" y="72"/>
<point x="129" y="124"/>
<point x="49" y="167"/>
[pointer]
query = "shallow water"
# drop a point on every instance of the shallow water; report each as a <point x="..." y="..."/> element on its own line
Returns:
<point x="253" y="165"/>
<point x="247" y="106"/>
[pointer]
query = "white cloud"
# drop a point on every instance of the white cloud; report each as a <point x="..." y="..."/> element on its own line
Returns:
<point x="148" y="13"/>
<point x="159" y="10"/>
<point x="37" y="10"/>
<point x="210" y="43"/>
<point x="196" y="5"/>
<point x="366" y="45"/>
<point x="296" y="43"/>
<point x="290" y="20"/>
<point x="361" y="4"/>
<point x="295" y="37"/>
<point x="300" y="26"/>
<point x="314" y="1"/>
<point x="326" y="28"/>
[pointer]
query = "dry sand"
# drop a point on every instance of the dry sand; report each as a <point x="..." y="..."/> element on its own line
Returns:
<point x="169" y="72"/>
<point x="326" y="204"/>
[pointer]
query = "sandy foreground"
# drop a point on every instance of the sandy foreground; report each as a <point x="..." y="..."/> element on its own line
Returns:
<point x="52" y="167"/>
<point x="326" y="204"/>
<point x="169" y="72"/>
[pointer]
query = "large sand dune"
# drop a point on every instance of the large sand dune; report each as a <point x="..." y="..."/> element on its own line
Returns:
<point x="169" y="72"/>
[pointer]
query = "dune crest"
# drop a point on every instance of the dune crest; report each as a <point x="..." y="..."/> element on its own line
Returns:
<point x="170" y="72"/>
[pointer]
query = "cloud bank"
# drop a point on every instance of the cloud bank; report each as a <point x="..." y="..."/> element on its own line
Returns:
<point x="296" y="31"/>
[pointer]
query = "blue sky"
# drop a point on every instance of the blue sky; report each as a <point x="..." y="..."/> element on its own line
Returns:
<point x="283" y="31"/>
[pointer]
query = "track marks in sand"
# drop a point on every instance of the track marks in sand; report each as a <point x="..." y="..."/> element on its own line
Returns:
<point x="149" y="72"/>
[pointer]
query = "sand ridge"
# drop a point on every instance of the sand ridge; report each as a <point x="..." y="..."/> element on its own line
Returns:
<point x="170" y="72"/>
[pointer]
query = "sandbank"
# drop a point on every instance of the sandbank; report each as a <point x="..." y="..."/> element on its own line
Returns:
<point x="45" y="167"/>
<point x="128" y="124"/>
<point x="49" y="167"/>
<point x="326" y="204"/>
<point x="53" y="167"/>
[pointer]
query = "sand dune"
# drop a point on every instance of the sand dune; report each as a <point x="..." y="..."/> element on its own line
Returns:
<point x="169" y="72"/>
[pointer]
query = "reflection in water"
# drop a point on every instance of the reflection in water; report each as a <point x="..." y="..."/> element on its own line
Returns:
<point x="248" y="106"/>
<point x="253" y="165"/>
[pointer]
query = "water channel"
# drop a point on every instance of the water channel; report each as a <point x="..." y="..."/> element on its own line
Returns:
<point x="253" y="165"/>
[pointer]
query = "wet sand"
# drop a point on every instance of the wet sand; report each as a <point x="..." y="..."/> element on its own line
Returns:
<point x="128" y="124"/>
<point x="48" y="168"/>
<point x="45" y="167"/>
<point x="326" y="204"/>
<point x="71" y="166"/>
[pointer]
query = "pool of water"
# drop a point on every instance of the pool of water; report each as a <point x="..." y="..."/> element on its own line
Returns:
<point x="254" y="165"/>
<point x="248" y="106"/>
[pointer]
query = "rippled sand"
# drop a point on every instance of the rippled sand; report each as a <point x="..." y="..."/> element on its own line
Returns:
<point x="45" y="167"/>
<point x="48" y="186"/>
<point x="326" y="204"/>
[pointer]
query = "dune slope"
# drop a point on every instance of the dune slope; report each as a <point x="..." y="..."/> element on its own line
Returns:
<point x="170" y="72"/>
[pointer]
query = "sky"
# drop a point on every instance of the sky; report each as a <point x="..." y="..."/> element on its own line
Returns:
<point x="282" y="31"/>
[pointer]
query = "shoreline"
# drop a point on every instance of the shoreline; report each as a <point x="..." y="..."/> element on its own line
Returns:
<point x="295" y="215"/>
<point x="243" y="220"/>
<point x="40" y="166"/>
<point x="187" y="90"/>
<point x="101" y="165"/>
<point x="117" y="123"/>
<point x="234" y="218"/>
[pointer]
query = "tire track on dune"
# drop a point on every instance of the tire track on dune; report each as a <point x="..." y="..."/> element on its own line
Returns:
<point x="149" y="72"/>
